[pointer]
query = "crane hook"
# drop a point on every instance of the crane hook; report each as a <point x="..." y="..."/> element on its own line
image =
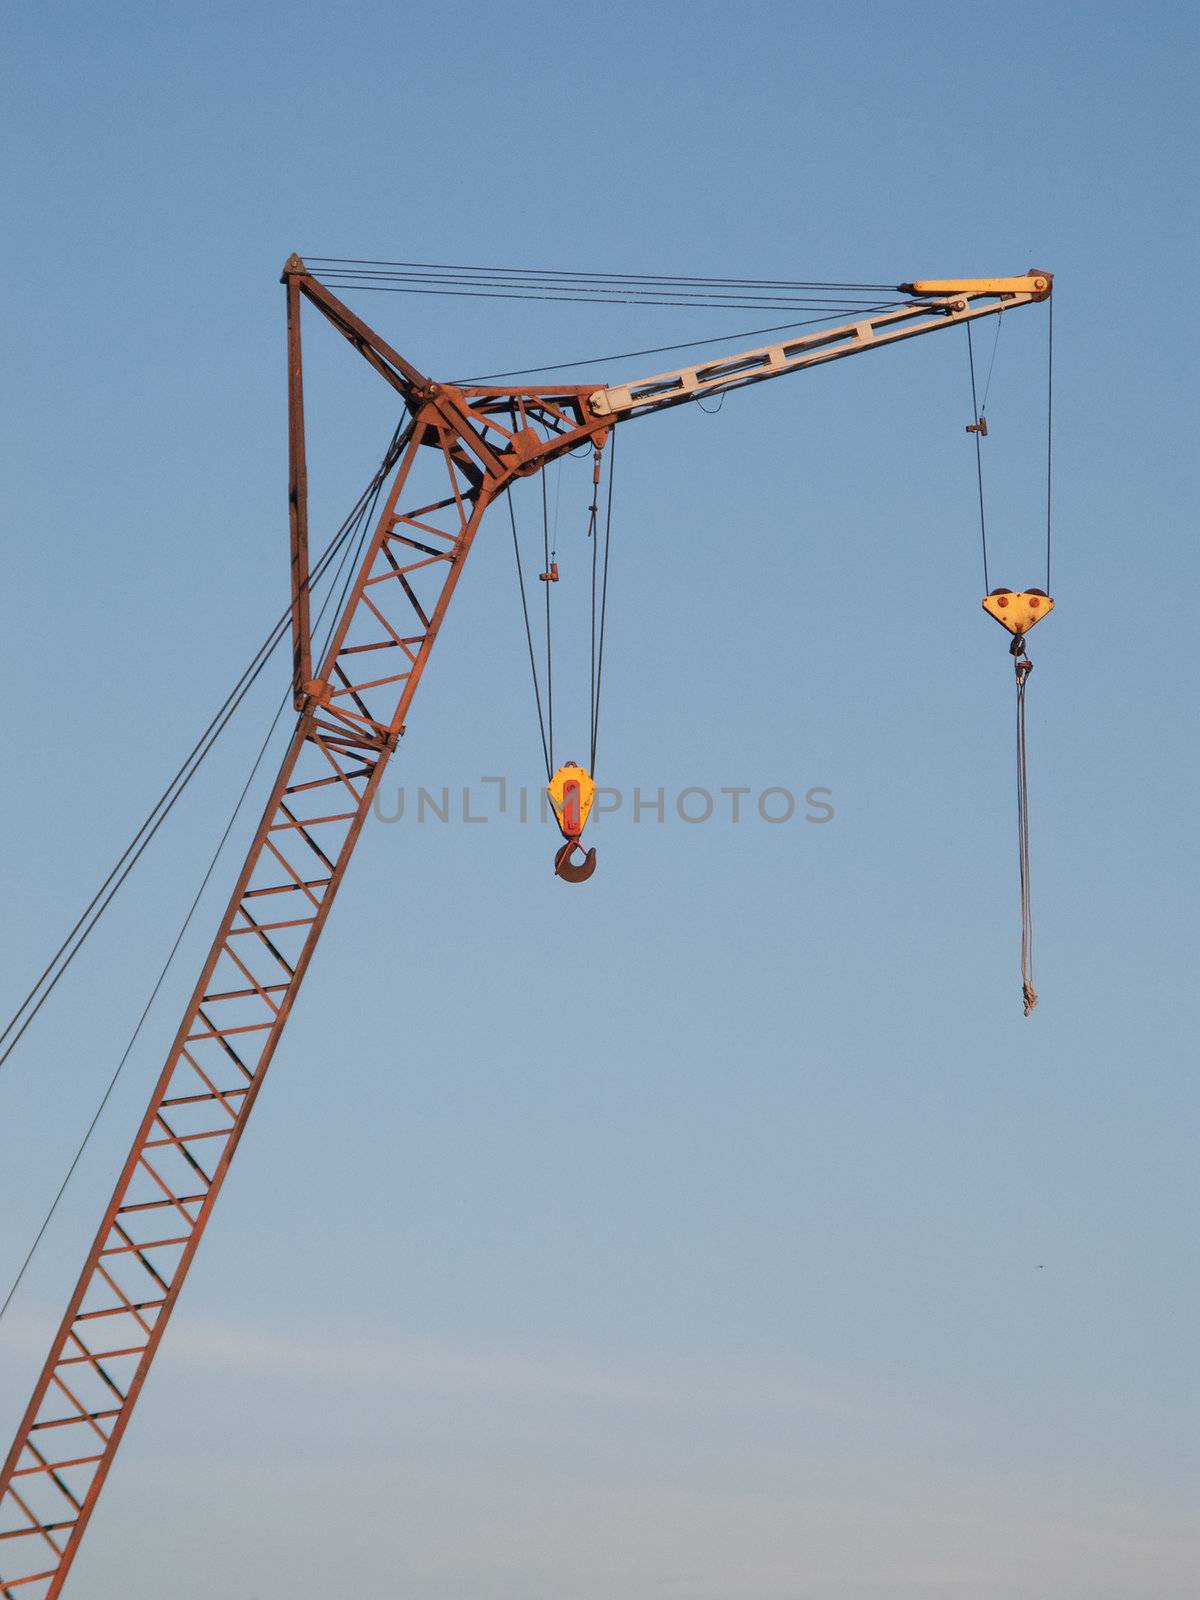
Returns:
<point x="571" y="792"/>
<point x="566" y="869"/>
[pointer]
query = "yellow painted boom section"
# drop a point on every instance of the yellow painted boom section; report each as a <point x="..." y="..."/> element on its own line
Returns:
<point x="1035" y="283"/>
<point x="937" y="303"/>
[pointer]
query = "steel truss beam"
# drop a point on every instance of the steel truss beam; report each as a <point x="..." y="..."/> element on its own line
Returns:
<point x="233" y="1023"/>
<point x="477" y="440"/>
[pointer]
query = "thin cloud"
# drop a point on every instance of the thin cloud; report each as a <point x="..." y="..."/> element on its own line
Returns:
<point x="356" y="1363"/>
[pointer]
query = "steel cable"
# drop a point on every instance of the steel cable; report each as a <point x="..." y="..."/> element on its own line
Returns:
<point x="598" y="649"/>
<point x="1049" y="428"/>
<point x="537" y="693"/>
<point x="365" y="519"/>
<point x="987" y="382"/>
<point x="978" y="460"/>
<point x="1028" y="992"/>
<point x="120" y="1067"/>
<point x="620" y="288"/>
<point x="653" y="350"/>
<point x="62" y="958"/>
<point x="401" y="281"/>
<point x="353" y="263"/>
<point x="853" y="308"/>
<point x="547" y="579"/>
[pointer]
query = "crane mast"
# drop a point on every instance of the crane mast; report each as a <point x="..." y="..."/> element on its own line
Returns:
<point x="460" y="448"/>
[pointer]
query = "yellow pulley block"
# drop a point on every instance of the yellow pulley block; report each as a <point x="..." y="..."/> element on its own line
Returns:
<point x="1018" y="610"/>
<point x="571" y="792"/>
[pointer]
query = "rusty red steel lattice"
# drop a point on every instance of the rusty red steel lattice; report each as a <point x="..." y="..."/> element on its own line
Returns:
<point x="352" y="716"/>
<point x="352" y="713"/>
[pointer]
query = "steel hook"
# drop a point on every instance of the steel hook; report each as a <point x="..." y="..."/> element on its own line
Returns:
<point x="566" y="869"/>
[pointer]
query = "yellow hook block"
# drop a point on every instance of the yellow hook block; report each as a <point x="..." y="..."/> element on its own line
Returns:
<point x="571" y="792"/>
<point x="1018" y="610"/>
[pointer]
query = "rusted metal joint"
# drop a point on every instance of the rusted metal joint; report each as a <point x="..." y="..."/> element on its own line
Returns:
<point x="526" y="453"/>
<point x="318" y="691"/>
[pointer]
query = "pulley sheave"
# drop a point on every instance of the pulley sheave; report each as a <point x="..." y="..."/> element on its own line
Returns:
<point x="1018" y="610"/>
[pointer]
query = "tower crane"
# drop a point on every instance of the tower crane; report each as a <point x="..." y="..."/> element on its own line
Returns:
<point x="470" y="442"/>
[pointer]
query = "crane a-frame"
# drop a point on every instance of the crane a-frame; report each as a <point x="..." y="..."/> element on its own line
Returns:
<point x="473" y="441"/>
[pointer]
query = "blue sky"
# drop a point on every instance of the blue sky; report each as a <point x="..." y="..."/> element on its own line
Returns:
<point x="722" y="1229"/>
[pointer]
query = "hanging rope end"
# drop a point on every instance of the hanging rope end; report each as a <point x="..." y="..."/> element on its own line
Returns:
<point x="1029" y="997"/>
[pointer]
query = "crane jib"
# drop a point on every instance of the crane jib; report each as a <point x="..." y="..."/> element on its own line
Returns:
<point x="461" y="448"/>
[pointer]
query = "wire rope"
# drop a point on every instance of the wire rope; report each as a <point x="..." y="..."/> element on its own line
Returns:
<point x="653" y="350"/>
<point x="599" y="288"/>
<point x="187" y="920"/>
<point x="594" y="536"/>
<point x="62" y="958"/>
<point x="334" y="263"/>
<point x="598" y="651"/>
<point x="537" y="693"/>
<point x="987" y="382"/>
<point x="978" y="461"/>
<point x="1028" y="992"/>
<point x="352" y="550"/>
<point x="739" y="304"/>
<point x="547" y="580"/>
<point x="402" y="282"/>
<point x="120" y="1067"/>
<point x="1049" y="429"/>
